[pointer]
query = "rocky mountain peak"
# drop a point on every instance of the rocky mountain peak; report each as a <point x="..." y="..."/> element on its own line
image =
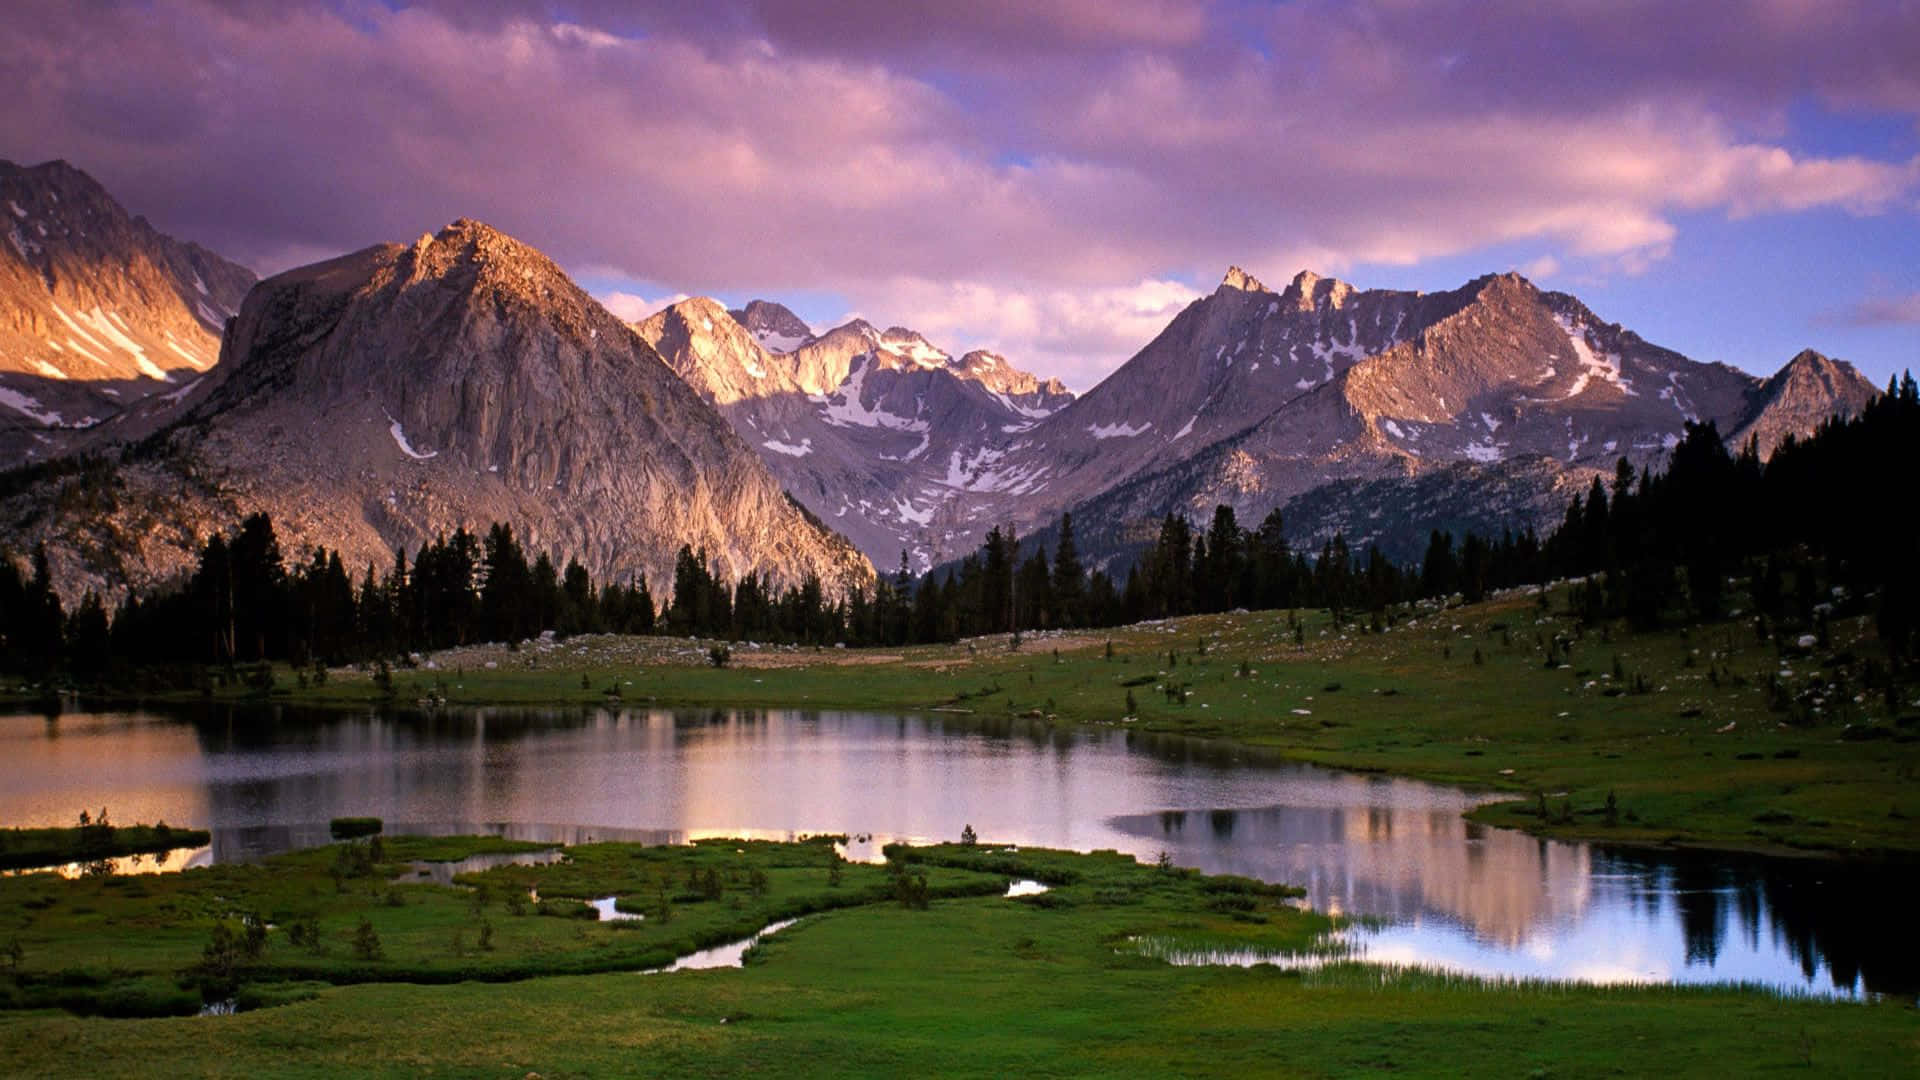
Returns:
<point x="1309" y="291"/>
<point x="1239" y="279"/>
<point x="474" y="252"/>
<point x="901" y="345"/>
<point x="773" y="325"/>
<point x="1812" y="362"/>
<point x="382" y="398"/>
<point x="1796" y="399"/>
<point x="105" y="322"/>
<point x="992" y="371"/>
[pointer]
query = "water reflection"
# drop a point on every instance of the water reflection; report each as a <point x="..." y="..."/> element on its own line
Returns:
<point x="1446" y="893"/>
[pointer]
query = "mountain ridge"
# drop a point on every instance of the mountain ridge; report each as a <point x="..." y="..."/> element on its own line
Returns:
<point x="877" y="431"/>
<point x="396" y="393"/>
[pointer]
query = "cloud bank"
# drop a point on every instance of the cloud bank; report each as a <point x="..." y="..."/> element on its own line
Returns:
<point x="1039" y="178"/>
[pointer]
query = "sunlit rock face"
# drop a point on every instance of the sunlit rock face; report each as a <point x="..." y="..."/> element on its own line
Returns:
<point x="388" y="396"/>
<point x="1483" y="408"/>
<point x="106" y="324"/>
<point x="884" y="436"/>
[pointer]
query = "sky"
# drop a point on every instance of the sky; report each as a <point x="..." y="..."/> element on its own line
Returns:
<point x="1734" y="179"/>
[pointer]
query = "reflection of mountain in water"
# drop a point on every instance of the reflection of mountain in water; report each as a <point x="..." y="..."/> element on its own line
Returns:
<point x="1397" y="864"/>
<point x="1453" y="894"/>
<point x="1743" y="920"/>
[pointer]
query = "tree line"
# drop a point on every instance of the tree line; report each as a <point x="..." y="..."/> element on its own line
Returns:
<point x="1648" y="546"/>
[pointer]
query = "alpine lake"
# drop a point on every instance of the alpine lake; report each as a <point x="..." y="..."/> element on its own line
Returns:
<point x="1418" y="885"/>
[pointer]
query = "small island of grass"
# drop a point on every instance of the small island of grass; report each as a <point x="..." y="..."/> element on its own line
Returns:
<point x="91" y="841"/>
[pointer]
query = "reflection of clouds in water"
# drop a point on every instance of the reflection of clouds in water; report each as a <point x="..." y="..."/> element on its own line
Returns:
<point x="1456" y="895"/>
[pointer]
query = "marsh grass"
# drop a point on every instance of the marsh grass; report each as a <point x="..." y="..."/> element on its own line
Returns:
<point x="971" y="985"/>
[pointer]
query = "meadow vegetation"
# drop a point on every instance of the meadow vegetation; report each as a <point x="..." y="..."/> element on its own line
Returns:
<point x="1723" y="734"/>
<point x="337" y="962"/>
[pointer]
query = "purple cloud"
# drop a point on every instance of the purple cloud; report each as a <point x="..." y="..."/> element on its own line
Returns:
<point x="1029" y="176"/>
<point x="1880" y="311"/>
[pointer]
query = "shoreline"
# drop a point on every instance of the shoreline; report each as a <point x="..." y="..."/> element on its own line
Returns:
<point x="1383" y="709"/>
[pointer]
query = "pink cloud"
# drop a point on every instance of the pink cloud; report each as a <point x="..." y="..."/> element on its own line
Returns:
<point x="1026" y="174"/>
<point x="1880" y="311"/>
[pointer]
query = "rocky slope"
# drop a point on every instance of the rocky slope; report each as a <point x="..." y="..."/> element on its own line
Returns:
<point x="882" y="434"/>
<point x="1799" y="398"/>
<point x="1435" y="400"/>
<point x="396" y="393"/>
<point x="106" y="324"/>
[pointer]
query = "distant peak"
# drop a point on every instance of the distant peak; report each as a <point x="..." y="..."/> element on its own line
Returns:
<point x="703" y="306"/>
<point x="1239" y="279"/>
<point x="1510" y="280"/>
<point x="469" y="229"/>
<point x="1309" y="290"/>
<point x="1810" y="358"/>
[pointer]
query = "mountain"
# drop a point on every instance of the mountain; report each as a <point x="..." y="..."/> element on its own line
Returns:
<point x="882" y="434"/>
<point x="1799" y="397"/>
<point x="106" y="324"/>
<point x="382" y="398"/>
<point x="1254" y="399"/>
<point x="773" y="327"/>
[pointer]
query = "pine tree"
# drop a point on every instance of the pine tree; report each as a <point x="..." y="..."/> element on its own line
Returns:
<point x="1069" y="578"/>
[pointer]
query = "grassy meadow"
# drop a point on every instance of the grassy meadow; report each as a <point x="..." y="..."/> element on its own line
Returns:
<point x="873" y="981"/>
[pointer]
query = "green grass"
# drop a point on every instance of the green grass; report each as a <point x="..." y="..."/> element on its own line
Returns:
<point x="972" y="985"/>
<point x="105" y="944"/>
<point x="27" y="848"/>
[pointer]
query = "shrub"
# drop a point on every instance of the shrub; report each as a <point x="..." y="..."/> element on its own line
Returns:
<point x="350" y="828"/>
<point x="366" y="942"/>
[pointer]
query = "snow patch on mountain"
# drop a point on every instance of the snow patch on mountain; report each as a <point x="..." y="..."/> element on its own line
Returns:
<point x="844" y="408"/>
<point x="400" y="439"/>
<point x="780" y="343"/>
<point x="1117" y="431"/>
<point x="1592" y="365"/>
<point x="29" y="406"/>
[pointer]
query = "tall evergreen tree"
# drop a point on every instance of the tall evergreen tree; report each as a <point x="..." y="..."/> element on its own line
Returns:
<point x="1069" y="578"/>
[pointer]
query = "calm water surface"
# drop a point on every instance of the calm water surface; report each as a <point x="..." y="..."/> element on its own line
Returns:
<point x="1441" y="892"/>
